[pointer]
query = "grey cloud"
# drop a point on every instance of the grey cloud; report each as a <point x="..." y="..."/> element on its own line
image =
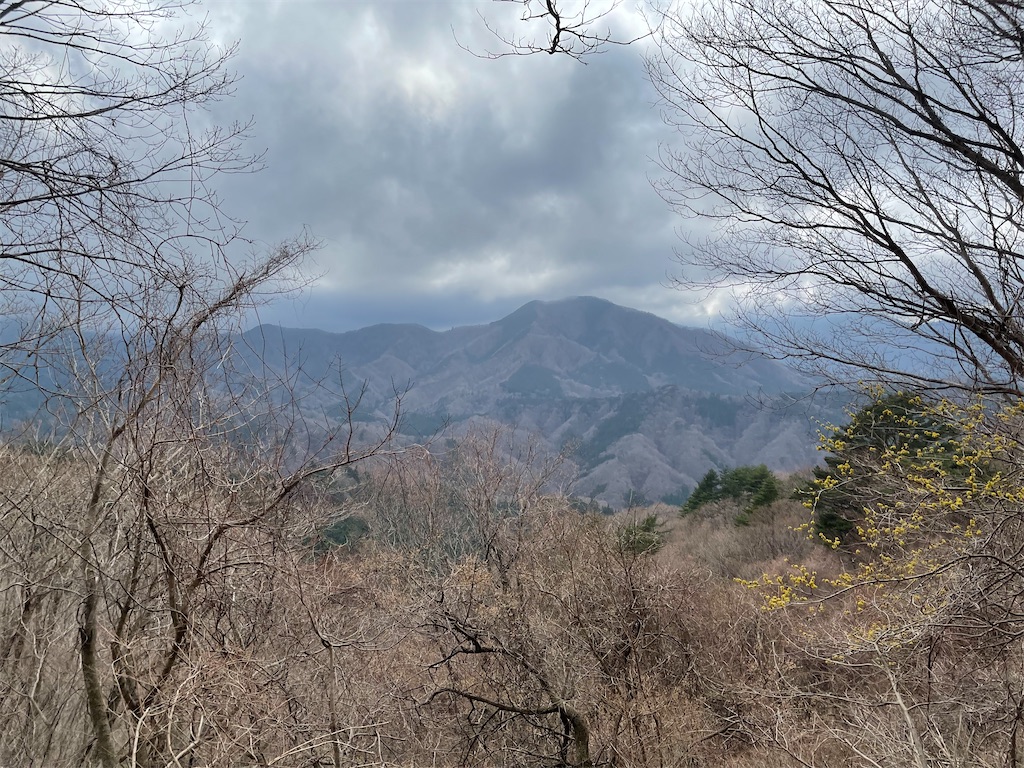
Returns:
<point x="443" y="184"/>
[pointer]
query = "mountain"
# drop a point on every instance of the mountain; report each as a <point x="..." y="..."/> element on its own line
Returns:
<point x="650" y="406"/>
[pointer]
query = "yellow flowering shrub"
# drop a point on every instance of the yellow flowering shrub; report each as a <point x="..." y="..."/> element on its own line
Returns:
<point x="938" y="534"/>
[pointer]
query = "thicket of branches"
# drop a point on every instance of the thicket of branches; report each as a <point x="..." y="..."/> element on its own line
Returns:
<point x="152" y="516"/>
<point x="863" y="164"/>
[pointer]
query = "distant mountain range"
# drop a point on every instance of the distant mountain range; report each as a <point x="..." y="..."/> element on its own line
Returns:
<point x="649" y="406"/>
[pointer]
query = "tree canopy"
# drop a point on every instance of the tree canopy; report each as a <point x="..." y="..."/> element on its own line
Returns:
<point x="753" y="486"/>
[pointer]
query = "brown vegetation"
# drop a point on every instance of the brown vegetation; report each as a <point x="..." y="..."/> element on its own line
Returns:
<point x="189" y="616"/>
<point x="166" y="598"/>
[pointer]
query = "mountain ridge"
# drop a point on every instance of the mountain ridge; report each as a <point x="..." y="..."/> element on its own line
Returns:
<point x="650" y="405"/>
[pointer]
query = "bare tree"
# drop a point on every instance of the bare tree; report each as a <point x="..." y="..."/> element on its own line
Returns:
<point x="106" y="163"/>
<point x="862" y="163"/>
<point x="159" y="537"/>
<point x="151" y="541"/>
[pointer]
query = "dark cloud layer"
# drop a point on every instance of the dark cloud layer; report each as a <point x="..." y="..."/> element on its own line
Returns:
<point x="447" y="189"/>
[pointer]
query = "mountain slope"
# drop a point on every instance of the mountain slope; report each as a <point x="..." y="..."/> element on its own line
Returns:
<point x="649" y="405"/>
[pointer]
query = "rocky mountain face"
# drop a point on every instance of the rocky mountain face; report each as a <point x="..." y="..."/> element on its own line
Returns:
<point x="647" y="406"/>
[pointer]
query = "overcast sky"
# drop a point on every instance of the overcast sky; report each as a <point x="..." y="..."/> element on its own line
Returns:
<point x="447" y="189"/>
